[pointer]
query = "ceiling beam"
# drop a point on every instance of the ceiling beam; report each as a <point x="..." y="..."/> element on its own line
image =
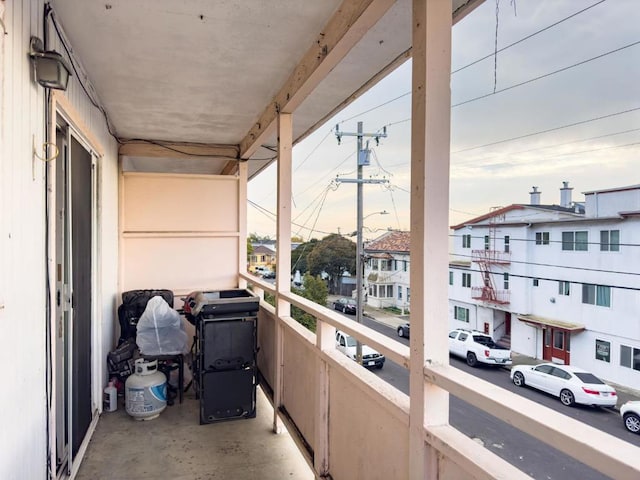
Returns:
<point x="351" y="21"/>
<point x="230" y="168"/>
<point x="177" y="150"/>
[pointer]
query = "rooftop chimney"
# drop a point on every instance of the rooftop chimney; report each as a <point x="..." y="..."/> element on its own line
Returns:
<point x="535" y="196"/>
<point x="565" y="195"/>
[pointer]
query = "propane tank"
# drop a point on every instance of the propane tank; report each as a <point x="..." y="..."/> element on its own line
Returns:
<point x="146" y="391"/>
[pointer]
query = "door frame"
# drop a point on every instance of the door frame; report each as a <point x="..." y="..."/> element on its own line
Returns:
<point x="549" y="351"/>
<point x="62" y="112"/>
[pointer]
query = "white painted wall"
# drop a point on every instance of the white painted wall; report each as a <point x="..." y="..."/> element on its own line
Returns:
<point x="609" y="204"/>
<point x="23" y="443"/>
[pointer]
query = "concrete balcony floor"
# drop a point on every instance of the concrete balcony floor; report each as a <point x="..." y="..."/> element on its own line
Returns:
<point x="175" y="446"/>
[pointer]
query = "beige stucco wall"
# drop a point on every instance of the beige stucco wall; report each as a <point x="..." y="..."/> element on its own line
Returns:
<point x="179" y="232"/>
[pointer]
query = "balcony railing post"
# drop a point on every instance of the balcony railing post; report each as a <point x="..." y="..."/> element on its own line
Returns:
<point x="325" y="340"/>
<point x="430" y="131"/>
<point x="283" y="252"/>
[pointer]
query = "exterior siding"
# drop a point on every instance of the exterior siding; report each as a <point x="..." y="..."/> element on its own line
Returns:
<point x="23" y="447"/>
<point x="23" y="292"/>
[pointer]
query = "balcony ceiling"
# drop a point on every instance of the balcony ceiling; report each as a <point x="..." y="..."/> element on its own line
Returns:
<point x="212" y="72"/>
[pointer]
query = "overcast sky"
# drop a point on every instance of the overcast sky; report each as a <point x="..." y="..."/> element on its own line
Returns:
<point x="485" y="176"/>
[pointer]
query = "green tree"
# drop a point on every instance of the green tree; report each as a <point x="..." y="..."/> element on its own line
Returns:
<point x="299" y="256"/>
<point x="255" y="238"/>
<point x="334" y="255"/>
<point x="315" y="289"/>
<point x="249" y="249"/>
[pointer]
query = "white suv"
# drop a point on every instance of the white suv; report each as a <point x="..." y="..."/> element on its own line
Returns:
<point x="347" y="345"/>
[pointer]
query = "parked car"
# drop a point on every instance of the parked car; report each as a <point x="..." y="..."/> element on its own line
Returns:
<point x="477" y="347"/>
<point x="630" y="413"/>
<point x="269" y="274"/>
<point x="404" y="330"/>
<point x="345" y="305"/>
<point x="571" y="384"/>
<point x="348" y="345"/>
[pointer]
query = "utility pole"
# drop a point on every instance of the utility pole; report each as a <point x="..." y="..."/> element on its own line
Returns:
<point x="362" y="159"/>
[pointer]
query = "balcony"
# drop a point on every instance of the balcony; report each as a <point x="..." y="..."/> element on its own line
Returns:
<point x="327" y="402"/>
<point x="491" y="257"/>
<point x="172" y="110"/>
<point x="490" y="295"/>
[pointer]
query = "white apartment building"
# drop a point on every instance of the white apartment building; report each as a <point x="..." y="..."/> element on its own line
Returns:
<point x="386" y="275"/>
<point x="559" y="282"/>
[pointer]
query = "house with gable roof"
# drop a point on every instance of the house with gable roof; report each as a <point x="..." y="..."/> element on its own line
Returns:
<point x="386" y="275"/>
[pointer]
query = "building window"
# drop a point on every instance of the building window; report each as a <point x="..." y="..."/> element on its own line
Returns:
<point x="596" y="295"/>
<point x="466" y="241"/>
<point x="547" y="337"/>
<point x="603" y="351"/>
<point x="408" y="294"/>
<point x="386" y="265"/>
<point x="558" y="339"/>
<point x="460" y="313"/>
<point x="630" y="357"/>
<point x="506" y="281"/>
<point x="405" y="265"/>
<point x="578" y="241"/>
<point x="466" y="280"/>
<point x="450" y="277"/>
<point x="374" y="264"/>
<point x="486" y="242"/>
<point x="564" y="288"/>
<point x="389" y="291"/>
<point x="542" y="238"/>
<point x="536" y="282"/>
<point x="609" y="240"/>
<point x="399" y="292"/>
<point x="507" y="241"/>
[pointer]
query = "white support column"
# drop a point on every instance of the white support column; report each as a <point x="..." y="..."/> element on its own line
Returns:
<point x="430" y="113"/>
<point x="325" y="340"/>
<point x="243" y="178"/>
<point x="283" y="251"/>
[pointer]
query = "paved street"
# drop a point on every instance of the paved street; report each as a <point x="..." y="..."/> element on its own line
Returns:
<point x="527" y="453"/>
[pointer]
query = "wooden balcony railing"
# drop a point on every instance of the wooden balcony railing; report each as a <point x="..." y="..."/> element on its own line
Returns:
<point x="349" y="422"/>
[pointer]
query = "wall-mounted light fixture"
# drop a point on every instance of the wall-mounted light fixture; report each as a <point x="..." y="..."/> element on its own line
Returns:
<point x="51" y="69"/>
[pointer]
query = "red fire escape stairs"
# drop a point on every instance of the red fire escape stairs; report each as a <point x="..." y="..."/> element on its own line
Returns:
<point x="488" y="292"/>
<point x="486" y="259"/>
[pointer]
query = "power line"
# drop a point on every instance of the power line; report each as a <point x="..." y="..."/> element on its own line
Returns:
<point x="550" y="265"/>
<point x="575" y="282"/>
<point x="540" y="77"/>
<point x="527" y="37"/>
<point x="563" y="144"/>
<point x="527" y="135"/>
<point x="376" y="107"/>
<point x="313" y="150"/>
<point x="479" y="60"/>
<point x="273" y="217"/>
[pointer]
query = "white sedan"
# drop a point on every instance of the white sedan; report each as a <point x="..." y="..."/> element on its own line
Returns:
<point x="573" y="385"/>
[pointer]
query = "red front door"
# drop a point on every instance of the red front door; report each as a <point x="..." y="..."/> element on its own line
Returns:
<point x="507" y="323"/>
<point x="556" y="345"/>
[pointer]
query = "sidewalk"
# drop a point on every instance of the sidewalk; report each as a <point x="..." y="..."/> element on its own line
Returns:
<point x="381" y="316"/>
